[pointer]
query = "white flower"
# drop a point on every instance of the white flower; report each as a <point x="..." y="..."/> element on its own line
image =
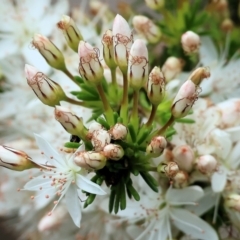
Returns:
<point x="63" y="178"/>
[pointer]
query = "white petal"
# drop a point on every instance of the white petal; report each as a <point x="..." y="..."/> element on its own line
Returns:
<point x="73" y="204"/>
<point x="234" y="133"/>
<point x="219" y="179"/>
<point x="36" y="183"/>
<point x="184" y="196"/>
<point x="89" y="186"/>
<point x="192" y="225"/>
<point x="234" y="157"/>
<point x="51" y="154"/>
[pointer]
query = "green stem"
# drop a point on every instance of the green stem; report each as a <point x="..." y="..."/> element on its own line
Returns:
<point x="152" y="115"/>
<point x="124" y="105"/>
<point x="73" y="101"/>
<point x="70" y="75"/>
<point x="108" y="112"/>
<point x="113" y="76"/>
<point x="164" y="128"/>
<point x="134" y="117"/>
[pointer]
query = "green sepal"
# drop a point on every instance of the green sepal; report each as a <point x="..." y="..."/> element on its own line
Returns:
<point x="133" y="192"/>
<point x="103" y="122"/>
<point x="85" y="96"/>
<point x="111" y="199"/>
<point x="185" y="120"/>
<point x="151" y="182"/>
<point x="78" y="79"/>
<point x="71" y="145"/>
<point x="132" y="132"/>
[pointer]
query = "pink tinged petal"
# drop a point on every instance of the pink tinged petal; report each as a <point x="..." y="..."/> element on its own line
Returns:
<point x="88" y="186"/>
<point x="219" y="179"/>
<point x="192" y="225"/>
<point x="30" y="71"/>
<point x="51" y="154"/>
<point x="120" y="25"/>
<point x="73" y="204"/>
<point x="184" y="196"/>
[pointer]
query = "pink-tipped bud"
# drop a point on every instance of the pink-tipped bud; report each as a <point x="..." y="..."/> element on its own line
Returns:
<point x="90" y="66"/>
<point x="108" y="50"/>
<point x="172" y="67"/>
<point x="155" y="4"/>
<point x="190" y="42"/>
<point x="122" y="41"/>
<point x="147" y="28"/>
<point x="52" y="221"/>
<point x="138" y="65"/>
<point x="15" y="159"/>
<point x="233" y="201"/>
<point x="227" y="25"/>
<point x="70" y="32"/>
<point x="180" y="180"/>
<point x="156" y="86"/>
<point x="207" y="164"/>
<point x="186" y="97"/>
<point x="156" y="146"/>
<point x="113" y="152"/>
<point x="100" y="138"/>
<point x="169" y="169"/>
<point x="70" y="121"/>
<point x="184" y="157"/>
<point x="199" y="74"/>
<point x="48" y="91"/>
<point x="118" y="132"/>
<point x="49" y="51"/>
<point x="90" y="160"/>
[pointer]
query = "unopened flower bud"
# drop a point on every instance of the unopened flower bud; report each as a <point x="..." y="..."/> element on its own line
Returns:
<point x="227" y="25"/>
<point x="90" y="66"/>
<point x="108" y="51"/>
<point x="147" y="28"/>
<point x="233" y="201"/>
<point x="122" y="41"/>
<point x="138" y="65"/>
<point x="199" y="74"/>
<point x="207" y="164"/>
<point x="155" y="4"/>
<point x="94" y="126"/>
<point x="186" y="97"/>
<point x="52" y="221"/>
<point x="184" y="157"/>
<point x="180" y="180"/>
<point x="70" y="121"/>
<point x="100" y="138"/>
<point x="190" y="42"/>
<point x="172" y="67"/>
<point x="49" y="51"/>
<point x="221" y="5"/>
<point x="156" y="86"/>
<point x="48" y="91"/>
<point x="15" y="159"/>
<point x="113" y="151"/>
<point x="169" y="169"/>
<point x="90" y="160"/>
<point x="156" y="146"/>
<point x="118" y="131"/>
<point x="70" y="32"/>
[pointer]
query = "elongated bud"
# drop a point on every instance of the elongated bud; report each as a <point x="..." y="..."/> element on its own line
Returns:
<point x="100" y="138"/>
<point x="118" y="132"/>
<point x="190" y="42"/>
<point x="169" y="169"/>
<point x="108" y="50"/>
<point x="49" y="51"/>
<point x="227" y="25"/>
<point x="186" y="97"/>
<point x="70" y="121"/>
<point x="172" y="67"/>
<point x="138" y="65"/>
<point x="156" y="146"/>
<point x="90" y="160"/>
<point x="51" y="222"/>
<point x="207" y="164"/>
<point x="199" y="74"/>
<point x="113" y="151"/>
<point x="70" y="32"/>
<point x="90" y="66"/>
<point x="184" y="157"/>
<point x="48" y="91"/>
<point x="147" y="28"/>
<point x="155" y="4"/>
<point x="15" y="159"/>
<point x="156" y="86"/>
<point x="180" y="180"/>
<point x="122" y="41"/>
<point x="233" y="201"/>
